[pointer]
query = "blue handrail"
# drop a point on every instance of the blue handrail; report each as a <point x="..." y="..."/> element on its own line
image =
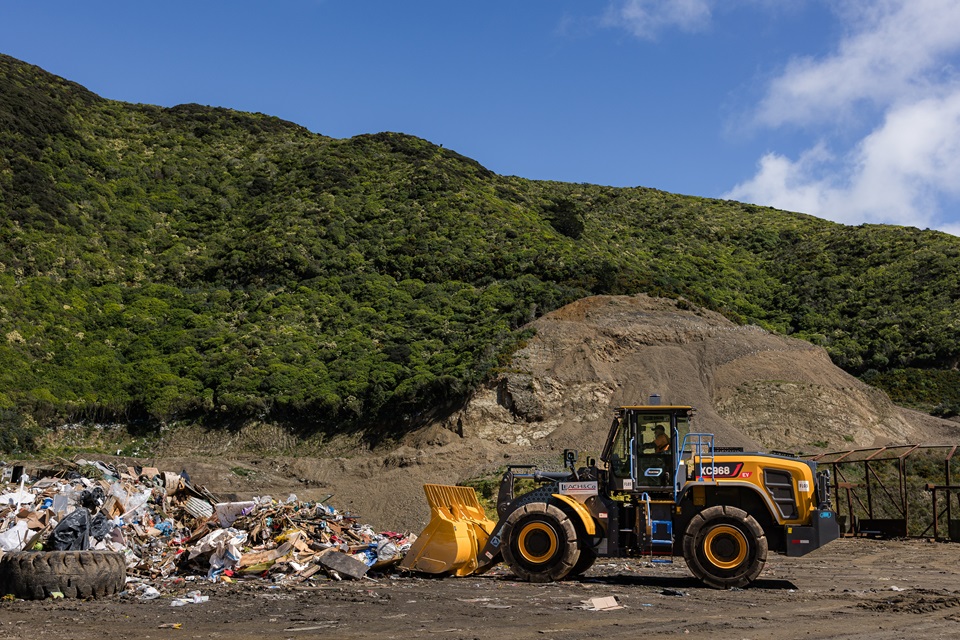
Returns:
<point x="700" y="444"/>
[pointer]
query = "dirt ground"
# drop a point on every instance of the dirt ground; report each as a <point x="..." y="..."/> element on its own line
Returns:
<point x="853" y="588"/>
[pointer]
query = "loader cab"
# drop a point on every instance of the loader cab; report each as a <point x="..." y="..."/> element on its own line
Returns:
<point x="641" y="448"/>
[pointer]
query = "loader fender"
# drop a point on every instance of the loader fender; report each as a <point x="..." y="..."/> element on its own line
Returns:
<point x="745" y="487"/>
<point x="581" y="511"/>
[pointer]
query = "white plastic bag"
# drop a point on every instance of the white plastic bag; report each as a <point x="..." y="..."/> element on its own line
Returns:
<point x="15" y="537"/>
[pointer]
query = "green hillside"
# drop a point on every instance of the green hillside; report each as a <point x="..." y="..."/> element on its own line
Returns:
<point x="204" y="263"/>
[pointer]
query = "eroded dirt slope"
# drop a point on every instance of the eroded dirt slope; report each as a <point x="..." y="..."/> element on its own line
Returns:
<point x="751" y="387"/>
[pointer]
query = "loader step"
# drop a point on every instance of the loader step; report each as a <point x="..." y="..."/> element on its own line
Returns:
<point x="662" y="532"/>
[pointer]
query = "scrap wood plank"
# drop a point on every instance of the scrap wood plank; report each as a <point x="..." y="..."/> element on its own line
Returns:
<point x="307" y="573"/>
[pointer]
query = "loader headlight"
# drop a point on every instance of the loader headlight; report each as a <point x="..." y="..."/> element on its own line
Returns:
<point x="823" y="489"/>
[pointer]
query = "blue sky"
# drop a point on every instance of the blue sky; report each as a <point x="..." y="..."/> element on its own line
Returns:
<point x="845" y="109"/>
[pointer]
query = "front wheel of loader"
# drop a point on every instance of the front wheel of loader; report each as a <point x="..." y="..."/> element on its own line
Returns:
<point x="588" y="551"/>
<point x="725" y="547"/>
<point x="587" y="558"/>
<point x="540" y="543"/>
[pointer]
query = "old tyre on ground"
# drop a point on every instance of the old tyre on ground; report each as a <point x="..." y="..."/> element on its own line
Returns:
<point x="540" y="543"/>
<point x="34" y="575"/>
<point x="725" y="547"/>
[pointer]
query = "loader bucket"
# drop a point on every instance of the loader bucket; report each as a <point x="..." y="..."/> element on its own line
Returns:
<point x="457" y="530"/>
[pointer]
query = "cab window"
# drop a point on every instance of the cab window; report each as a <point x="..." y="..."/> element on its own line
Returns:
<point x="683" y="428"/>
<point x="620" y="453"/>
<point x="655" y="433"/>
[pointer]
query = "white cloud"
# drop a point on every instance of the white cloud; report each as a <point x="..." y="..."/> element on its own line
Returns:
<point x="891" y="74"/>
<point x="953" y="228"/>
<point x="897" y="58"/>
<point x="895" y="175"/>
<point x="786" y="184"/>
<point x="646" y="18"/>
<point x="897" y="49"/>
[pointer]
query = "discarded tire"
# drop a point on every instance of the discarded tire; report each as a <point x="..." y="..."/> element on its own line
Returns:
<point x="35" y="575"/>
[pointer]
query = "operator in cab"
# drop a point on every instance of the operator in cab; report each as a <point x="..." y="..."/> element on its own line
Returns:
<point x="661" y="442"/>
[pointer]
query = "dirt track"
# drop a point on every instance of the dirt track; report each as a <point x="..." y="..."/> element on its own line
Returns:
<point x="851" y="589"/>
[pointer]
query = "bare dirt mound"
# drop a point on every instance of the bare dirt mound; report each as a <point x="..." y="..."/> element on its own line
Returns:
<point x="750" y="387"/>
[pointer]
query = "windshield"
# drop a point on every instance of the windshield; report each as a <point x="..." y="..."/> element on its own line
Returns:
<point x="654" y="431"/>
<point x="639" y="433"/>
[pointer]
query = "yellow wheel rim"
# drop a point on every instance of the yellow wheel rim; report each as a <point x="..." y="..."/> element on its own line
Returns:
<point x="537" y="542"/>
<point x="725" y="546"/>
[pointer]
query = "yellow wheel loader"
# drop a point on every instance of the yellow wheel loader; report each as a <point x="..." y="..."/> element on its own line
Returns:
<point x="659" y="490"/>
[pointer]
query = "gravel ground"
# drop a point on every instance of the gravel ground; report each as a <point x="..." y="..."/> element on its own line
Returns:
<point x="853" y="588"/>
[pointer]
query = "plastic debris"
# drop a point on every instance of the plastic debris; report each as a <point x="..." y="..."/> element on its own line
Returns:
<point x="73" y="532"/>
<point x="149" y="593"/>
<point x="14" y="538"/>
<point x="193" y="597"/>
<point x="172" y="532"/>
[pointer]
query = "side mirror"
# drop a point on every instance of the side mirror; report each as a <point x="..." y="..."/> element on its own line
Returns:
<point x="570" y="461"/>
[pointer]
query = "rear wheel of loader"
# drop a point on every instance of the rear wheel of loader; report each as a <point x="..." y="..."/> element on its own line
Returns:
<point x="540" y="543"/>
<point x="725" y="547"/>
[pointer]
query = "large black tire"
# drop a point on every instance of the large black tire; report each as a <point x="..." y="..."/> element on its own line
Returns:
<point x="540" y="543"/>
<point x="588" y="550"/>
<point x="35" y="575"/>
<point x="725" y="547"/>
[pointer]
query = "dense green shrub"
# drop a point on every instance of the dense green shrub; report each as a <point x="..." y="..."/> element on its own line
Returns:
<point x="200" y="262"/>
<point x="932" y="390"/>
<point x="18" y="434"/>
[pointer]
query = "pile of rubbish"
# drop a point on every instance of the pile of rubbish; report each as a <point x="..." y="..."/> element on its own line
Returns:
<point x="166" y="528"/>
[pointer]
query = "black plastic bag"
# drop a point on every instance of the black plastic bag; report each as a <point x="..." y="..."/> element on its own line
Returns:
<point x="101" y="526"/>
<point x="73" y="532"/>
<point x="92" y="499"/>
